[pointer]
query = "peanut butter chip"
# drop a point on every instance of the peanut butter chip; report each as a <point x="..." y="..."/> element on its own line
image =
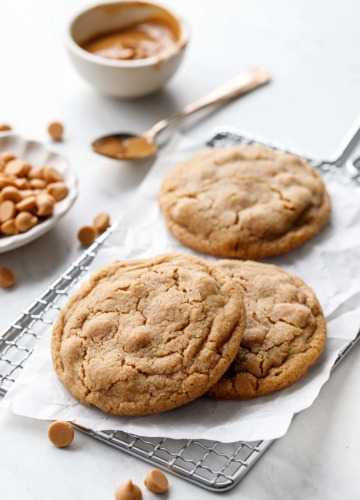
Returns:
<point x="37" y="183"/>
<point x="87" y="235"/>
<point x="31" y="191"/>
<point x="7" y="278"/>
<point x="61" y="434"/>
<point x="10" y="193"/>
<point x="50" y="174"/>
<point x="156" y="481"/>
<point x="7" y="156"/>
<point x="22" y="183"/>
<point x="6" y="181"/>
<point x="25" y="193"/>
<point x="5" y="127"/>
<point x="9" y="227"/>
<point x="58" y="190"/>
<point x="36" y="173"/>
<point x="27" y="204"/>
<point x="102" y="221"/>
<point x="17" y="167"/>
<point x="45" y="204"/>
<point x="7" y="210"/>
<point x="56" y="131"/>
<point x="128" y="491"/>
<point x="25" y="221"/>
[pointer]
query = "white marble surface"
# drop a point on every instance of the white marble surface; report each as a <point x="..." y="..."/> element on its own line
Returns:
<point x="312" y="49"/>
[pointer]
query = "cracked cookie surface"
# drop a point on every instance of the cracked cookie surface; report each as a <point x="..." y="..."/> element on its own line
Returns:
<point x="247" y="202"/>
<point x="146" y="336"/>
<point x="285" y="331"/>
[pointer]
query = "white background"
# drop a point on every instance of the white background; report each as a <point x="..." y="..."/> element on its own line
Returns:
<point x="312" y="49"/>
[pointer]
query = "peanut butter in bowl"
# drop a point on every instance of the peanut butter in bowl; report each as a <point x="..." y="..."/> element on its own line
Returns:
<point x="148" y="38"/>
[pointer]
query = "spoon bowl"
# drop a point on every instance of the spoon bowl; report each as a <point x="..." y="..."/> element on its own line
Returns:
<point x="123" y="146"/>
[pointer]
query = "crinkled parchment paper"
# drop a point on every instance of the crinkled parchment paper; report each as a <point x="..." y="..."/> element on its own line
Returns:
<point x="330" y="263"/>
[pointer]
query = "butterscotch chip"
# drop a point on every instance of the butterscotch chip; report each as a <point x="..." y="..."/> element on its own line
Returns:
<point x="245" y="202"/>
<point x="37" y="183"/>
<point x="5" y="127"/>
<point x="22" y="183"/>
<point x="17" y="167"/>
<point x="27" y="204"/>
<point x="9" y="227"/>
<point x="7" y="210"/>
<point x="45" y="205"/>
<point x="50" y="174"/>
<point x="145" y="336"/>
<point x="58" y="190"/>
<point x="87" y="235"/>
<point x="22" y="189"/>
<point x="25" y="193"/>
<point x="6" y="181"/>
<point x="10" y="193"/>
<point x="56" y="131"/>
<point x="7" y="278"/>
<point x="156" y="481"/>
<point x="36" y="173"/>
<point x="285" y="331"/>
<point x="25" y="221"/>
<point x="7" y="156"/>
<point x="102" y="221"/>
<point x="61" y="433"/>
<point x="128" y="491"/>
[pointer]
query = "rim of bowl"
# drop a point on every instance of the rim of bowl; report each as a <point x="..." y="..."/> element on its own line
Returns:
<point x="148" y="61"/>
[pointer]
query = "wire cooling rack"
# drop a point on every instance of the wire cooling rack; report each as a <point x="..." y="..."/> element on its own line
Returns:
<point x="212" y="465"/>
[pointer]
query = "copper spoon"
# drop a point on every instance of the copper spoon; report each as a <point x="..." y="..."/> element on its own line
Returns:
<point x="124" y="146"/>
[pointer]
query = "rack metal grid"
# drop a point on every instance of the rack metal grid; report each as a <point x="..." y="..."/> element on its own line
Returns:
<point x="212" y="465"/>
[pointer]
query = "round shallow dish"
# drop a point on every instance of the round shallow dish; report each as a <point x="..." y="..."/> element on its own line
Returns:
<point x="126" y="79"/>
<point x="37" y="154"/>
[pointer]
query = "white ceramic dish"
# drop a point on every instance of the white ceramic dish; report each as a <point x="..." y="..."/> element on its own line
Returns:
<point x="126" y="79"/>
<point x="37" y="154"/>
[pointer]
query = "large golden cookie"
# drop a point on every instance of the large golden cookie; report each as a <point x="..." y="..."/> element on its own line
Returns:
<point x="247" y="202"/>
<point x="145" y="336"/>
<point x="285" y="331"/>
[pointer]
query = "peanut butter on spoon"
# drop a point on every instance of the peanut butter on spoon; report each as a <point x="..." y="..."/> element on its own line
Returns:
<point x="125" y="147"/>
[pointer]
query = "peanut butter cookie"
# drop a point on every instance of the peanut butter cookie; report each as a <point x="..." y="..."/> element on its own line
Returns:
<point x="284" y="335"/>
<point x="247" y="202"/>
<point x="145" y="336"/>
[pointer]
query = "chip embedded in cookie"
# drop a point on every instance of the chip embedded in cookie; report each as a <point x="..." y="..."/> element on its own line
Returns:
<point x="247" y="202"/>
<point x="284" y="335"/>
<point x="145" y="336"/>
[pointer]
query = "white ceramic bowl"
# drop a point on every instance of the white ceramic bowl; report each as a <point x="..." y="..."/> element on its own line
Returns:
<point x="37" y="154"/>
<point x="126" y="79"/>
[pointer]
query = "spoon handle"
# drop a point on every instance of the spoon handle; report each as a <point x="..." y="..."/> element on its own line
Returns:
<point x="242" y="83"/>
